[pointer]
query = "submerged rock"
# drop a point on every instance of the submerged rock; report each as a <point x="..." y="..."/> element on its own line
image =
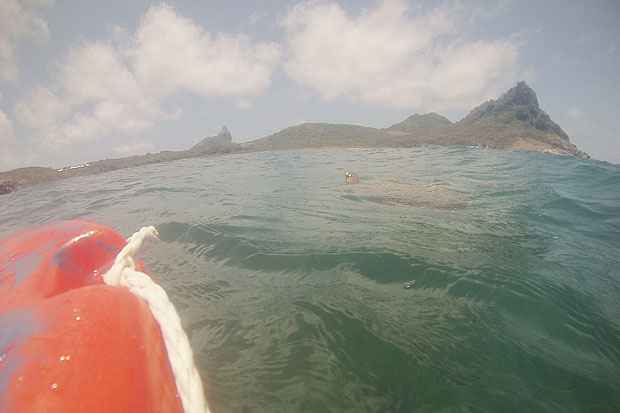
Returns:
<point x="437" y="196"/>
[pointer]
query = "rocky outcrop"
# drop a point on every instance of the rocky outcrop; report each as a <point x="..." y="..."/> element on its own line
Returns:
<point x="11" y="180"/>
<point x="516" y="121"/>
<point x="220" y="142"/>
<point x="7" y="187"/>
<point x="519" y="104"/>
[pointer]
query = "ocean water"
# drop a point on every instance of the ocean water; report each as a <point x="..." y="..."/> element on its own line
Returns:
<point x="290" y="284"/>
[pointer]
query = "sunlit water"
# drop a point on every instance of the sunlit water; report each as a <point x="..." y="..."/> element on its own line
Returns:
<point x="290" y="284"/>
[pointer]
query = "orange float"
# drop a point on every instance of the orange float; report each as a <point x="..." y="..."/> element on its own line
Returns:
<point x="68" y="341"/>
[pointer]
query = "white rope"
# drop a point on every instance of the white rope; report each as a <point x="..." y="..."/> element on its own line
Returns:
<point x="123" y="273"/>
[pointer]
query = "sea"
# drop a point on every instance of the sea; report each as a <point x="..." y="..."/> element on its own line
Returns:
<point x="450" y="279"/>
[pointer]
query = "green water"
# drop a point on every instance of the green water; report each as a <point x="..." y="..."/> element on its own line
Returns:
<point x="290" y="284"/>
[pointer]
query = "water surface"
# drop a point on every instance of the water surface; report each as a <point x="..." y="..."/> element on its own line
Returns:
<point x="290" y="284"/>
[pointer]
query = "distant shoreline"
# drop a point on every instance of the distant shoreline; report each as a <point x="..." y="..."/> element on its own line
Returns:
<point x="30" y="176"/>
<point x="514" y="121"/>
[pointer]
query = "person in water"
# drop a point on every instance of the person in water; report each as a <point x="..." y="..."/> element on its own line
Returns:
<point x="351" y="178"/>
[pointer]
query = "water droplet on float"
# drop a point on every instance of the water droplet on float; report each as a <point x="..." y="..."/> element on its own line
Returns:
<point x="54" y="386"/>
<point x="78" y="318"/>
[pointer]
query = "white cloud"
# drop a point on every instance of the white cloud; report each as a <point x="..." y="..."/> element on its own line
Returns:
<point x="7" y="142"/>
<point x="104" y="89"/>
<point x="387" y="56"/>
<point x="174" y="53"/>
<point x="18" y="20"/>
<point x="7" y="133"/>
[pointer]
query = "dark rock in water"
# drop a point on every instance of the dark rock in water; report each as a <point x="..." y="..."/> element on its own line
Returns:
<point x="7" y="187"/>
<point x="582" y="155"/>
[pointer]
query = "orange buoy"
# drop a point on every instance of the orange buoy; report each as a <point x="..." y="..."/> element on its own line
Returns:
<point x="68" y="341"/>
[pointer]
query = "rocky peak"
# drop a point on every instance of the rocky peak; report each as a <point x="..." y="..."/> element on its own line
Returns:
<point x="225" y="134"/>
<point x="222" y="139"/>
<point x="519" y="95"/>
<point x="520" y="98"/>
<point x="519" y="105"/>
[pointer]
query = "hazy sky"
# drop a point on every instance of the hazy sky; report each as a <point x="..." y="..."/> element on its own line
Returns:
<point x="86" y="80"/>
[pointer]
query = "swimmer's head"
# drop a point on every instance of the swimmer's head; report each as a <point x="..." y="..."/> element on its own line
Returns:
<point x="350" y="178"/>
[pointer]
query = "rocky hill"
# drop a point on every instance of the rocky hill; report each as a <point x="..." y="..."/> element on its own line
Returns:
<point x="418" y="123"/>
<point x="315" y="135"/>
<point x="513" y="121"/>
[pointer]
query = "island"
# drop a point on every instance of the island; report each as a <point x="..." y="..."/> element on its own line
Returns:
<point x="514" y="121"/>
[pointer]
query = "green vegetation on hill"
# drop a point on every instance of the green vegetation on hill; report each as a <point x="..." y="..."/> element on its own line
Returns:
<point x="314" y="135"/>
<point x="417" y="122"/>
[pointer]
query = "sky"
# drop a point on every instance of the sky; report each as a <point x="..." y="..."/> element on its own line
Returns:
<point x="88" y="80"/>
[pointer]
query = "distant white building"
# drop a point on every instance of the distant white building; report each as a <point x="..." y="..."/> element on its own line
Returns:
<point x="68" y="168"/>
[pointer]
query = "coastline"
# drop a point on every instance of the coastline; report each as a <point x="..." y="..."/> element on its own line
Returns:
<point x="29" y="176"/>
